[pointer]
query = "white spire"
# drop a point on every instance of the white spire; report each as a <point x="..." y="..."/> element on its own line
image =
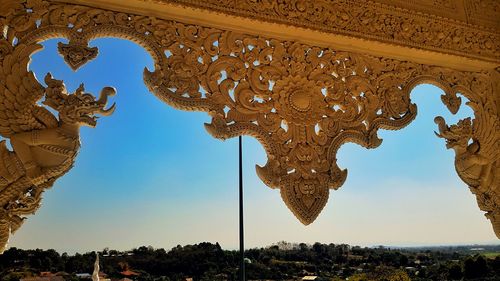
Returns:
<point x="95" y="275"/>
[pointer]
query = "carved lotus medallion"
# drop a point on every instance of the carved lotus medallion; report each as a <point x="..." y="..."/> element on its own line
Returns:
<point x="299" y="101"/>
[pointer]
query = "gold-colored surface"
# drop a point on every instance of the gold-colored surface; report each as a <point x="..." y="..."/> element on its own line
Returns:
<point x="301" y="101"/>
<point x="401" y="22"/>
<point x="44" y="147"/>
<point x="313" y="34"/>
<point x="483" y="13"/>
<point x="450" y="9"/>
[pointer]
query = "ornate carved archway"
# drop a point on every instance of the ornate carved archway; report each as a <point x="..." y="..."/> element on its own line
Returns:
<point x="302" y="77"/>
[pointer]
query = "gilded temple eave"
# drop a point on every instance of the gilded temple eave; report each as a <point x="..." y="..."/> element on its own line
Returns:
<point x="455" y="52"/>
<point x="333" y="71"/>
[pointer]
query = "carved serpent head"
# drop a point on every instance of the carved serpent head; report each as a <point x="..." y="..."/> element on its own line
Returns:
<point x="79" y="108"/>
<point x="457" y="136"/>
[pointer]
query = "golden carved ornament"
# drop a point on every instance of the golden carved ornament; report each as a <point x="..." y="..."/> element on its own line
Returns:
<point x="76" y="55"/>
<point x="44" y="147"/>
<point x="301" y="102"/>
<point x="475" y="33"/>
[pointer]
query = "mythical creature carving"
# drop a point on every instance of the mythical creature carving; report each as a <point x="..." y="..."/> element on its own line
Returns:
<point x="301" y="102"/>
<point x="44" y="147"/>
<point x="477" y="148"/>
<point x="76" y="55"/>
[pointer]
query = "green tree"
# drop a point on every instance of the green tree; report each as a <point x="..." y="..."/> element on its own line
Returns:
<point x="475" y="267"/>
<point x="455" y="272"/>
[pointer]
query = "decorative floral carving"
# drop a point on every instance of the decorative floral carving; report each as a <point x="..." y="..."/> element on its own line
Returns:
<point x="301" y="102"/>
<point x="370" y="20"/>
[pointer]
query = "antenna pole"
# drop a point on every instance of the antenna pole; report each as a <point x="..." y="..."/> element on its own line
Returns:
<point x="242" y="245"/>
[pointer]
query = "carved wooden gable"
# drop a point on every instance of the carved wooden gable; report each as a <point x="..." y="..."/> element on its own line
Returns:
<point x="302" y="77"/>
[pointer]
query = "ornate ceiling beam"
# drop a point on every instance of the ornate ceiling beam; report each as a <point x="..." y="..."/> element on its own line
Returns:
<point x="388" y="31"/>
<point x="301" y="100"/>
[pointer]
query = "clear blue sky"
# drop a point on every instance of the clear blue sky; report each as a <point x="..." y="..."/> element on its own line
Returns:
<point x="151" y="175"/>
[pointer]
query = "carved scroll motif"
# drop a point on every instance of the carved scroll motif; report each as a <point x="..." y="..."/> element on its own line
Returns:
<point x="301" y="102"/>
<point x="395" y="22"/>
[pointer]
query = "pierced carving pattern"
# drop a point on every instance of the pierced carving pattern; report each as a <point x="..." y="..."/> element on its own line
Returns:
<point x="370" y="20"/>
<point x="301" y="102"/>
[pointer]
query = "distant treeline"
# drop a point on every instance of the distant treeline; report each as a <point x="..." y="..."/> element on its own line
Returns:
<point x="283" y="261"/>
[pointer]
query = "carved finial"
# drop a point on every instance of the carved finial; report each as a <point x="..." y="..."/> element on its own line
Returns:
<point x="76" y="54"/>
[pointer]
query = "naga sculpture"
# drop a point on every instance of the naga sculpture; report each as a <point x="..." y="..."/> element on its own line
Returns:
<point x="477" y="151"/>
<point x="44" y="147"/>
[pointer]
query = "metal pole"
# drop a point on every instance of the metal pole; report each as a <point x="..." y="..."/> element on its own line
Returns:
<point x="242" y="245"/>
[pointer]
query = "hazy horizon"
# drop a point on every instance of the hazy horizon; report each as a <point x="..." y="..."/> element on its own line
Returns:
<point x="72" y="252"/>
<point x="151" y="175"/>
